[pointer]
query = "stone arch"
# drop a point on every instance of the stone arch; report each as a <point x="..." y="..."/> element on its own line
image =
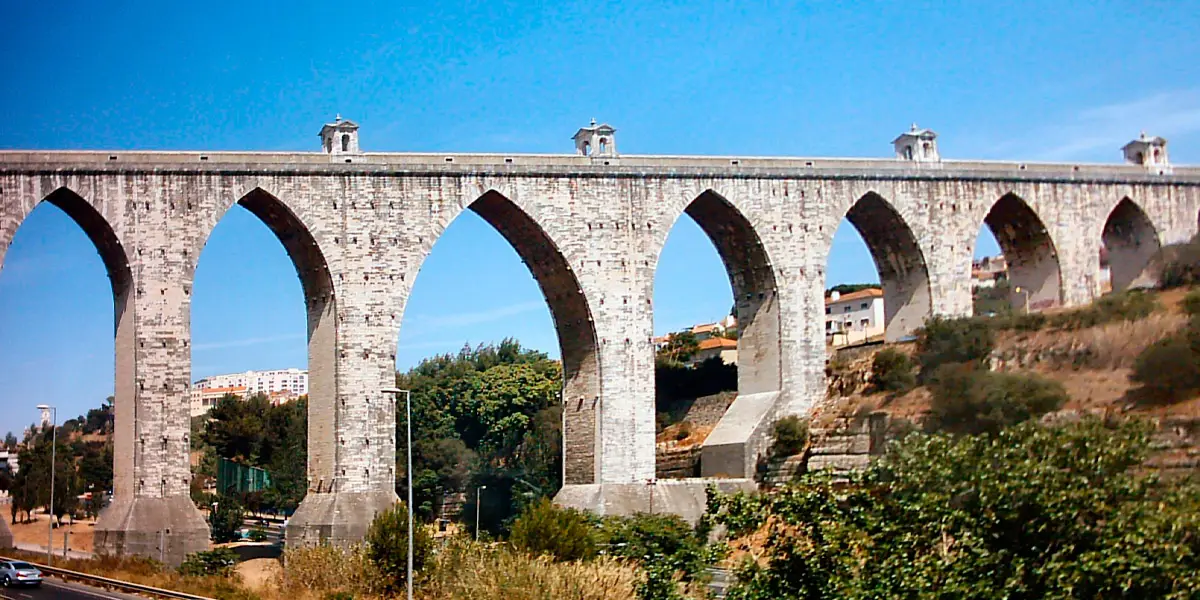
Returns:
<point x="120" y="275"/>
<point x="903" y="273"/>
<point x="1131" y="242"/>
<point x="1029" y="252"/>
<point x="316" y="282"/>
<point x="755" y="291"/>
<point x="573" y="324"/>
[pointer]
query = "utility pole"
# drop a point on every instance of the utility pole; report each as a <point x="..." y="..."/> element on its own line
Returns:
<point x="53" y="450"/>
<point x="478" y="495"/>
<point x="408" y="580"/>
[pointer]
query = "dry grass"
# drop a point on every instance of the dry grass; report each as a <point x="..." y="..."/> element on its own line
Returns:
<point x="1117" y="345"/>
<point x="466" y="571"/>
<point x="148" y="572"/>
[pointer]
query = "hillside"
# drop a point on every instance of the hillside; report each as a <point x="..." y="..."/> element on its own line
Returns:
<point x="1092" y="363"/>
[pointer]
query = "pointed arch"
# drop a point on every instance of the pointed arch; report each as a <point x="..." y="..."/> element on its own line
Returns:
<point x="754" y="289"/>
<point x="321" y="316"/>
<point x="903" y="273"/>
<point x="573" y="325"/>
<point x="1130" y="243"/>
<point x="1029" y="253"/>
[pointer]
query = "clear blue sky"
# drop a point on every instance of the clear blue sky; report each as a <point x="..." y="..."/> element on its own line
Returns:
<point x="1040" y="80"/>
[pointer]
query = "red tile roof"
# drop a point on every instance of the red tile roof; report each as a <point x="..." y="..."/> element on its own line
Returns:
<point x="867" y="293"/>
<point x="717" y="342"/>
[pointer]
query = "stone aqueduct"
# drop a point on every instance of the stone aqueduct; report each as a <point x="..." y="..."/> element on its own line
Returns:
<point x="590" y="227"/>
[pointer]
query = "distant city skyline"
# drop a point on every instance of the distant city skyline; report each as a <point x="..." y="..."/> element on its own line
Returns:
<point x="714" y="78"/>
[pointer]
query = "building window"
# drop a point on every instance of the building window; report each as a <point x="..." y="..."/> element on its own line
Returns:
<point x="866" y="323"/>
<point x="828" y="310"/>
<point x="863" y="306"/>
<point x="345" y="142"/>
<point x="847" y="308"/>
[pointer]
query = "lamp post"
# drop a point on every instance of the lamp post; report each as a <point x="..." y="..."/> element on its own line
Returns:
<point x="478" y="491"/>
<point x="408" y="580"/>
<point x="53" y="450"/>
<point x="1025" y="291"/>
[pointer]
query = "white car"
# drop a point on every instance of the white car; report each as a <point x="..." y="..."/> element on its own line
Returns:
<point x="15" y="572"/>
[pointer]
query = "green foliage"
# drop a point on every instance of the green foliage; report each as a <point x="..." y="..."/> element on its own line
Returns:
<point x="1129" y="305"/>
<point x="1032" y="512"/>
<point x="255" y="433"/>
<point x="258" y="535"/>
<point x="681" y="346"/>
<point x="993" y="301"/>
<point x="850" y="288"/>
<point x="952" y="340"/>
<point x="969" y="400"/>
<point x="387" y="547"/>
<point x="656" y="540"/>
<point x="1191" y="303"/>
<point x="1169" y="369"/>
<point x="565" y="534"/>
<point x="30" y="487"/>
<point x="1180" y="264"/>
<point x="488" y="415"/>
<point x="226" y="520"/>
<point x="674" y="382"/>
<point x="892" y="371"/>
<point x="338" y="596"/>
<point x="219" y="561"/>
<point x="659" y="582"/>
<point x="788" y="436"/>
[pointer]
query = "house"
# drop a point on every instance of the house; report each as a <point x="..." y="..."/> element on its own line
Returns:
<point x="719" y="347"/>
<point x="854" y="318"/>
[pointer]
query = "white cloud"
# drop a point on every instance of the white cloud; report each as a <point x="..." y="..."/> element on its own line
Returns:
<point x="1096" y="133"/>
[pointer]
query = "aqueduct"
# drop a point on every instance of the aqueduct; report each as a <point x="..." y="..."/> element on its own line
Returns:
<point x="590" y="227"/>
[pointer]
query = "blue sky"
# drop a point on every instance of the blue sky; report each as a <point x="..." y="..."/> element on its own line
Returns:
<point x="1036" y="81"/>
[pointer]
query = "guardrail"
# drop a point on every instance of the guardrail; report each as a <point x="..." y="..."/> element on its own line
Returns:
<point x="110" y="584"/>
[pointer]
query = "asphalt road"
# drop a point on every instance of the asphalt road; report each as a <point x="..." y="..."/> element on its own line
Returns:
<point x="52" y="588"/>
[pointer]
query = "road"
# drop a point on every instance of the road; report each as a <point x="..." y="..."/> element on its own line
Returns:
<point x="56" y="589"/>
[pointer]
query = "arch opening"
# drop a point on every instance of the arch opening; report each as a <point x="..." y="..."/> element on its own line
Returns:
<point x="716" y="351"/>
<point x="1129" y="244"/>
<point x="902" y="302"/>
<point x="1025" y="275"/>
<point x="241" y="267"/>
<point x="52" y="334"/>
<point x="483" y="296"/>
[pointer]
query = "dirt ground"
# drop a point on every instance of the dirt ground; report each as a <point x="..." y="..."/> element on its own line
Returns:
<point x="259" y="573"/>
<point x="80" y="537"/>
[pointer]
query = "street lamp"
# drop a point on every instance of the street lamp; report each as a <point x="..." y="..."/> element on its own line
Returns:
<point x="1025" y="291"/>
<point x="53" y="450"/>
<point x="394" y="391"/>
<point x="478" y="491"/>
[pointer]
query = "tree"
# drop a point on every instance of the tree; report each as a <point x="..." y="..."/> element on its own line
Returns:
<point x="236" y="428"/>
<point x="10" y="442"/>
<point x="952" y="340"/>
<point x="969" y="400"/>
<point x="227" y="519"/>
<point x="387" y="547"/>
<point x="565" y="534"/>
<point x="681" y="347"/>
<point x="1032" y="512"/>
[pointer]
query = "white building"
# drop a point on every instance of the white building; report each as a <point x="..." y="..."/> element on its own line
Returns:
<point x="854" y="318"/>
<point x="280" y="383"/>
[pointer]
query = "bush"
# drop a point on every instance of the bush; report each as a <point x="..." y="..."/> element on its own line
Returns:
<point x="892" y="371"/>
<point x="1035" y="512"/>
<point x="387" y="547"/>
<point x="545" y="529"/>
<point x="968" y="400"/>
<point x="219" y="561"/>
<point x="227" y="519"/>
<point x="788" y="436"/>
<point x="662" y="540"/>
<point x="1129" y="305"/>
<point x="326" y="569"/>
<point x="258" y="535"/>
<point x="952" y="340"/>
<point x="1191" y="303"/>
<point x="1169" y="369"/>
<point x="1180" y="264"/>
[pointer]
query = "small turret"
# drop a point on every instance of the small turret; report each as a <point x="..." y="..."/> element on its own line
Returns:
<point x="918" y="145"/>
<point x="340" y="137"/>
<point x="596" y="140"/>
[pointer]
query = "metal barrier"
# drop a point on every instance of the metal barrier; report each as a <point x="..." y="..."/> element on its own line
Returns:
<point x="110" y="584"/>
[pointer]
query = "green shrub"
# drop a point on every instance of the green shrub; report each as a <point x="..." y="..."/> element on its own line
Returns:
<point x="1034" y="512"/>
<point x="258" y="535"/>
<point x="387" y="547"/>
<point x="545" y="529"/>
<point x="1129" y="305"/>
<point x="788" y="436"/>
<point x="219" y="561"/>
<point x="1180" y="264"/>
<point x="892" y="371"/>
<point x="665" y="540"/>
<point x="338" y="596"/>
<point x="1191" y="303"/>
<point x="1168" y="370"/>
<point x="952" y="340"/>
<point x="969" y="400"/>
<point x="227" y="519"/>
